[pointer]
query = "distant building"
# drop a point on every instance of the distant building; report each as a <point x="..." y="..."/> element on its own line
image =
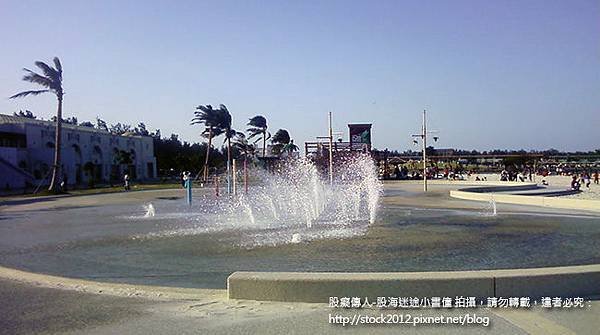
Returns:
<point x="445" y="152"/>
<point x="359" y="135"/>
<point x="88" y="154"/>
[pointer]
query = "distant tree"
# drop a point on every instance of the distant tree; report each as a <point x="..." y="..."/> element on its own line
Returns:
<point x="240" y="142"/>
<point x="280" y="140"/>
<point x="258" y="126"/>
<point x="101" y="124"/>
<point x="430" y="151"/>
<point x="52" y="81"/>
<point x="173" y="156"/>
<point x="27" y="114"/>
<point x="211" y="119"/>
<point x="123" y="157"/>
<point x="290" y="147"/>
<point x="86" y="124"/>
<point x="120" y="129"/>
<point x="71" y="120"/>
<point x="141" y="129"/>
<point x="225" y="125"/>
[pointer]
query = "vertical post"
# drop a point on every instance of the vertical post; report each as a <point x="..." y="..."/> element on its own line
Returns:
<point x="228" y="176"/>
<point x="234" y="175"/>
<point x="424" y="134"/>
<point x="217" y="186"/>
<point x="330" y="151"/>
<point x="245" y="175"/>
<point x="188" y="189"/>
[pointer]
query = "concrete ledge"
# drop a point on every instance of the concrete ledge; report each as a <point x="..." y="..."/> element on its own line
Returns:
<point x="502" y="187"/>
<point x="560" y="282"/>
<point x="106" y="288"/>
<point x="474" y="183"/>
<point x="319" y="286"/>
<point x="552" y="202"/>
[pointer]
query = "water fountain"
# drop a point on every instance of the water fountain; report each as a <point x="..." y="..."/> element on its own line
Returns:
<point x="493" y="206"/>
<point x="150" y="210"/>
<point x="491" y="209"/>
<point x="294" y="203"/>
<point x="292" y="219"/>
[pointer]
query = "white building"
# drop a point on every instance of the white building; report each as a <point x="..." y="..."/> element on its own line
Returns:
<point x="88" y="154"/>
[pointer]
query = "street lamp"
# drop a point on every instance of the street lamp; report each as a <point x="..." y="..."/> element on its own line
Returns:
<point x="423" y="137"/>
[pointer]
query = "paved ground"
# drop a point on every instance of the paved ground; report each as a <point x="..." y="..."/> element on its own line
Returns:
<point x="31" y="309"/>
<point x="35" y="304"/>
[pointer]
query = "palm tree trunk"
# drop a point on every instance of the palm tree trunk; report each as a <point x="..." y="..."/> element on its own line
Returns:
<point x="207" y="154"/>
<point x="54" y="182"/>
<point x="264" y="143"/>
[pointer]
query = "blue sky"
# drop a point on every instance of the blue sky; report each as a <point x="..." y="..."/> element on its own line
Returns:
<point x="493" y="74"/>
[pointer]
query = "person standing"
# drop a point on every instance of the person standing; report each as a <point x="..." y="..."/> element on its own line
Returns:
<point x="587" y="180"/>
<point x="575" y="185"/>
<point x="596" y="178"/>
<point x="126" y="182"/>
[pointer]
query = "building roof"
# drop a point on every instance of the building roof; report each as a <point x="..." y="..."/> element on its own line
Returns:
<point x="13" y="119"/>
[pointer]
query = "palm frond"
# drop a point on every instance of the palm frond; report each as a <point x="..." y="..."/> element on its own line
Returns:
<point x="26" y="93"/>
<point x="48" y="71"/>
<point x="215" y="132"/>
<point x="35" y="78"/>
<point x="253" y="133"/>
<point x="58" y="66"/>
<point x="281" y="136"/>
<point x="258" y="121"/>
<point x="223" y="117"/>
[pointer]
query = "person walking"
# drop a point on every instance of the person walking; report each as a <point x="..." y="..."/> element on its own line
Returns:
<point x="596" y="178"/>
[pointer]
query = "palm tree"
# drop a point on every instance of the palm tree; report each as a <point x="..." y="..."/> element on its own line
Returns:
<point x="225" y="124"/>
<point x="224" y="119"/>
<point x="52" y="81"/>
<point x="290" y="147"/>
<point x="283" y="143"/>
<point x="210" y="118"/>
<point x="280" y="140"/>
<point x="258" y="126"/>
<point x="241" y="143"/>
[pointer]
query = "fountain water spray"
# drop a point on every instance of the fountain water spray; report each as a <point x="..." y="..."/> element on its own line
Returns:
<point x="150" y="210"/>
<point x="293" y="203"/>
<point x="491" y="209"/>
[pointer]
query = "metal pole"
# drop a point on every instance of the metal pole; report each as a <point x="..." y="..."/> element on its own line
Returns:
<point x="234" y="178"/>
<point x="188" y="188"/>
<point x="330" y="151"/>
<point x="424" y="134"/>
<point x="245" y="175"/>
